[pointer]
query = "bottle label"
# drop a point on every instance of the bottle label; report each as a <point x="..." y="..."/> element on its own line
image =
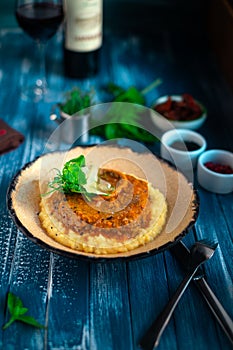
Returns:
<point x="83" y="25"/>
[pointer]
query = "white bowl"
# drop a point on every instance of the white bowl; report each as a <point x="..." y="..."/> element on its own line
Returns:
<point x="211" y="180"/>
<point x="184" y="160"/>
<point x="165" y="124"/>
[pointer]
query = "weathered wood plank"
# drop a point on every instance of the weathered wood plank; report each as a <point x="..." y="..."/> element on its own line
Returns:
<point x="68" y="304"/>
<point x="219" y="229"/>
<point x="28" y="280"/>
<point x="110" y="324"/>
<point x="218" y="275"/>
<point x="148" y="294"/>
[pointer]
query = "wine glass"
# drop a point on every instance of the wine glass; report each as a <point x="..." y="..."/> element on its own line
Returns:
<point x="40" y="20"/>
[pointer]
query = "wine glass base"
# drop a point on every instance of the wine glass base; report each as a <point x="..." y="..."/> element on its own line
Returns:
<point x="38" y="93"/>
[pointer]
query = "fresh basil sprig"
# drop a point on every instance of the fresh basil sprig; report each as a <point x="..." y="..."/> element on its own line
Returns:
<point x="18" y="311"/>
<point x="123" y="120"/>
<point x="132" y="94"/>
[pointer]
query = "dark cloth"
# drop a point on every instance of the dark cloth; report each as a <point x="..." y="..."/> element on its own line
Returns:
<point x="10" y="138"/>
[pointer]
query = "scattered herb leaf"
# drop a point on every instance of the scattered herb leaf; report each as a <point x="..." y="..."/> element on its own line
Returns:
<point x="18" y="311"/>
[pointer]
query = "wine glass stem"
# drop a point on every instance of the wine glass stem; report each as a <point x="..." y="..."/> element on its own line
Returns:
<point x="41" y="82"/>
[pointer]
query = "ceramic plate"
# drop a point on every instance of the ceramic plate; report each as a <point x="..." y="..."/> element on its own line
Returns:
<point x="25" y="190"/>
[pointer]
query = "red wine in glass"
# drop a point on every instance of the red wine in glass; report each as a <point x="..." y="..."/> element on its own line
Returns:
<point x="40" y="20"/>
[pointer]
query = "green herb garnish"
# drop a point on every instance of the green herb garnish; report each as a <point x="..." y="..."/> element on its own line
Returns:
<point x="131" y="94"/>
<point x="72" y="178"/>
<point x="76" y="100"/>
<point x="124" y="120"/>
<point x="18" y="311"/>
<point x="75" y="177"/>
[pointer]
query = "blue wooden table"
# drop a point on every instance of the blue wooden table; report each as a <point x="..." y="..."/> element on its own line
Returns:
<point x="109" y="306"/>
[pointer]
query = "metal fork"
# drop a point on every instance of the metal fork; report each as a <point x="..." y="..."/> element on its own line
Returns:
<point x="199" y="253"/>
<point x="182" y="253"/>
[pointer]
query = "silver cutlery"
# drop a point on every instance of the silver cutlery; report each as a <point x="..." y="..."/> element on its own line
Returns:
<point x="199" y="253"/>
<point x="182" y="253"/>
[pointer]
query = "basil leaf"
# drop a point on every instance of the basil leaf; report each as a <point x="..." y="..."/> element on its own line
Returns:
<point x="30" y="320"/>
<point x="114" y="89"/>
<point x="6" y="325"/>
<point x="17" y="311"/>
<point x="131" y="95"/>
<point x="13" y="301"/>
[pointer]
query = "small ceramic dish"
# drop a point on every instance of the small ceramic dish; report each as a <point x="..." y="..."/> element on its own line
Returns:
<point x="211" y="180"/>
<point x="165" y="124"/>
<point x="72" y="127"/>
<point x="182" y="148"/>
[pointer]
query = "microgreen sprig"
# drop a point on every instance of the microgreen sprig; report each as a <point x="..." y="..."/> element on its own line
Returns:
<point x="72" y="178"/>
<point x="75" y="177"/>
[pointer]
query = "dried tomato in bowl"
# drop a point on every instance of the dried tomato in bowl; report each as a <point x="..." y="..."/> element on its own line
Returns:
<point x="180" y="108"/>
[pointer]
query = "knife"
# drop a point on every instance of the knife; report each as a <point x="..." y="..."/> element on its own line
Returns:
<point x="182" y="253"/>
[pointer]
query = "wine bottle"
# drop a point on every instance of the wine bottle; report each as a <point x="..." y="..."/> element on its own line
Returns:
<point x="83" y="37"/>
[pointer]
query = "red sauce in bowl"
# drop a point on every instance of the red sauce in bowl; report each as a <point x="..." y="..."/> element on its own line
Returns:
<point x="219" y="168"/>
